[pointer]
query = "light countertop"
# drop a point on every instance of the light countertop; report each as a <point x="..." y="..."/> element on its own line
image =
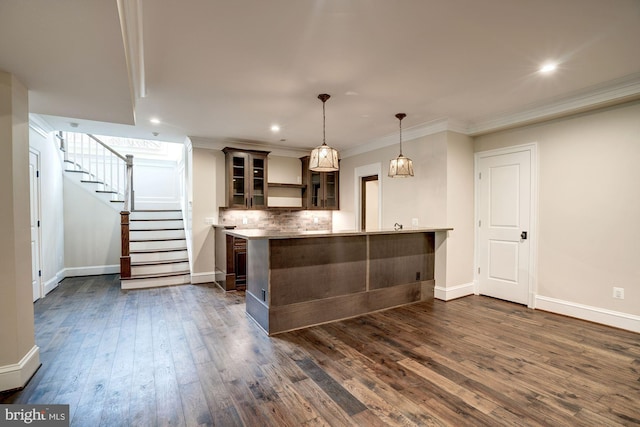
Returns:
<point x="267" y="234"/>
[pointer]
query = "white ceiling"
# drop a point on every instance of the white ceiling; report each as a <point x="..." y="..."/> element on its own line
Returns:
<point x="227" y="70"/>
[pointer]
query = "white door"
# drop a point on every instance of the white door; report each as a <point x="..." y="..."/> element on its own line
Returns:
<point x="34" y="196"/>
<point x="504" y="218"/>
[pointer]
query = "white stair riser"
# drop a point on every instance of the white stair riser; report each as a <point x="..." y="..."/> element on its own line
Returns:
<point x="159" y="256"/>
<point x="162" y="244"/>
<point x="156" y="215"/>
<point x="155" y="282"/>
<point x="159" y="269"/>
<point x="155" y="225"/>
<point x="156" y="234"/>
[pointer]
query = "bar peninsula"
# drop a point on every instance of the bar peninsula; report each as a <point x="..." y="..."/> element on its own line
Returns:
<point x="300" y="279"/>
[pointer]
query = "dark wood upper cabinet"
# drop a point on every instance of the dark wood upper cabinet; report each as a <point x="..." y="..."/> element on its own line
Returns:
<point x="322" y="188"/>
<point x="246" y="172"/>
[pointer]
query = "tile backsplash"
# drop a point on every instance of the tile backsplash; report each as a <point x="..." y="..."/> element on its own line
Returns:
<point x="277" y="220"/>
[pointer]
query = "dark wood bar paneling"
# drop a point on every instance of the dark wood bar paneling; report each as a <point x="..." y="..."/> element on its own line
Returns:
<point x="296" y="280"/>
<point x="400" y="258"/>
<point x="314" y="312"/>
<point x="309" y="269"/>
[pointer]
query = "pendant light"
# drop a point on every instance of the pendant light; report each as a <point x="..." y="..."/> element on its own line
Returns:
<point x="401" y="166"/>
<point x="323" y="158"/>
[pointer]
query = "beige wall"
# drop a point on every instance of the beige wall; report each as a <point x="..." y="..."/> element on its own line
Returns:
<point x="589" y="205"/>
<point x="460" y="210"/>
<point x="206" y="189"/>
<point x="16" y="296"/>
<point x="439" y="195"/>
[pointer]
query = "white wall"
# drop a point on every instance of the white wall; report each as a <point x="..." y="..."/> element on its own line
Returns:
<point x="156" y="184"/>
<point x="91" y="232"/>
<point x="589" y="208"/>
<point x="51" y="208"/>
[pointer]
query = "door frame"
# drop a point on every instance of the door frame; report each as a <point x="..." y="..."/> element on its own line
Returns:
<point x="39" y="216"/>
<point x="532" y="148"/>
<point x="358" y="174"/>
<point x="363" y="199"/>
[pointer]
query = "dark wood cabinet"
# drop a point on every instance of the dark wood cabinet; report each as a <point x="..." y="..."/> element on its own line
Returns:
<point x="246" y="172"/>
<point x="322" y="188"/>
<point x="236" y="268"/>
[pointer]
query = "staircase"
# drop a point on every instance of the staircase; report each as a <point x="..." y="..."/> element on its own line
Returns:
<point x="158" y="250"/>
<point x="153" y="242"/>
<point x="97" y="167"/>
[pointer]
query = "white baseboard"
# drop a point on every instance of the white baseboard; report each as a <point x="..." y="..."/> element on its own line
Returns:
<point x="208" y="277"/>
<point x="616" y="319"/>
<point x="94" y="270"/>
<point x="453" y="292"/>
<point x="52" y="283"/>
<point x="16" y="375"/>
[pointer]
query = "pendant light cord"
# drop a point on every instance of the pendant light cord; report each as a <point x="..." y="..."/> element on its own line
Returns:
<point x="401" y="137"/>
<point x="324" y="135"/>
<point x="400" y="116"/>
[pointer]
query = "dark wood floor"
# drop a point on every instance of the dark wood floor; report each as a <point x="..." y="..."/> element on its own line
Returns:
<point x="188" y="355"/>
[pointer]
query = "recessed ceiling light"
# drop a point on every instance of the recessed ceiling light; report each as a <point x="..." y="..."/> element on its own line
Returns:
<point x="351" y="93"/>
<point x="74" y="124"/>
<point x="155" y="120"/>
<point x="549" y="67"/>
<point x="275" y="128"/>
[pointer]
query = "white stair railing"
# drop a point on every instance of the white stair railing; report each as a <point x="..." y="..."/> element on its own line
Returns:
<point x="101" y="164"/>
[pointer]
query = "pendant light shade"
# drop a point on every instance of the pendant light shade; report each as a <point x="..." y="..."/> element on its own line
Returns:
<point x="323" y="158"/>
<point x="401" y="166"/>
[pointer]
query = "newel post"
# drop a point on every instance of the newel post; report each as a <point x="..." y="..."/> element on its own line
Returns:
<point x="125" y="258"/>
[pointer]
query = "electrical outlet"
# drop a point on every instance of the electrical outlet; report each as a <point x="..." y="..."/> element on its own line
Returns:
<point x="315" y="219"/>
<point x="618" y="293"/>
<point x="245" y="220"/>
<point x="414" y="222"/>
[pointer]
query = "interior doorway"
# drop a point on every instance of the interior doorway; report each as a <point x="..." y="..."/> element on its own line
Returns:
<point x="34" y="198"/>
<point x="370" y="202"/>
<point x="505" y="208"/>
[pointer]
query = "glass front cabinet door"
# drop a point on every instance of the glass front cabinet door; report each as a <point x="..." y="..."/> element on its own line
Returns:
<point x="246" y="178"/>
<point x="321" y="188"/>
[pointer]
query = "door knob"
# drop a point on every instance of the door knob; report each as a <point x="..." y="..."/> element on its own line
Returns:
<point x="523" y="235"/>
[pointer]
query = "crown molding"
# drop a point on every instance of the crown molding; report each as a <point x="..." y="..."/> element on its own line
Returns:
<point x="220" y="143"/>
<point x="408" y="134"/>
<point x="130" y="12"/>
<point x="613" y="92"/>
<point x="40" y="125"/>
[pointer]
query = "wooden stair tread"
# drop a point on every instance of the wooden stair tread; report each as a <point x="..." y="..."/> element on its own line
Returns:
<point x="166" y="262"/>
<point x="107" y="191"/>
<point x="157" y="229"/>
<point x="155" y="219"/>
<point x="156" y="276"/>
<point x="153" y="251"/>
<point x="157" y="210"/>
<point x="166" y="239"/>
<point x="88" y="181"/>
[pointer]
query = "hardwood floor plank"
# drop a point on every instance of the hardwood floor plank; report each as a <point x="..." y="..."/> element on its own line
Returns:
<point x="189" y="355"/>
